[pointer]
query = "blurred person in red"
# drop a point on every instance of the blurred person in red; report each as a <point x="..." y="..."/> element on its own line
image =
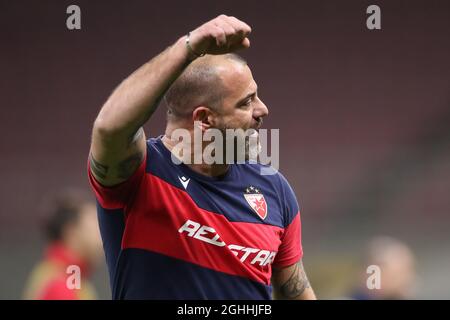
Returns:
<point x="395" y="262"/>
<point x="74" y="250"/>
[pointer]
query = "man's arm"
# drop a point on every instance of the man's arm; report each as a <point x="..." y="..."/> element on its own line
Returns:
<point x="118" y="140"/>
<point x="291" y="283"/>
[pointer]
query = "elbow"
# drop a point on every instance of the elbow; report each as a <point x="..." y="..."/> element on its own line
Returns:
<point x="108" y="123"/>
<point x="102" y="127"/>
<point x="105" y="129"/>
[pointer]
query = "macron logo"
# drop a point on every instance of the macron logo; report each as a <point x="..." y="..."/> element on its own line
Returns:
<point x="184" y="181"/>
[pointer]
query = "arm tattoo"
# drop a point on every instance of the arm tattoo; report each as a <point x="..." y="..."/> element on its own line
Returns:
<point x="97" y="168"/>
<point x="296" y="284"/>
<point x="126" y="168"/>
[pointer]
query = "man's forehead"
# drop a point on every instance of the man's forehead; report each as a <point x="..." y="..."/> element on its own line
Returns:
<point x="235" y="76"/>
<point x="237" y="79"/>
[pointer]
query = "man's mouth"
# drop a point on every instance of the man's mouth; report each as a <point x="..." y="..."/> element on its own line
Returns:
<point x="258" y="125"/>
<point x="259" y="122"/>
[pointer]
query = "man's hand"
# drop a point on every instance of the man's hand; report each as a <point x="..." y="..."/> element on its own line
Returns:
<point x="221" y="35"/>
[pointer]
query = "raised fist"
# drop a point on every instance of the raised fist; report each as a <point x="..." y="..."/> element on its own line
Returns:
<point x="220" y="35"/>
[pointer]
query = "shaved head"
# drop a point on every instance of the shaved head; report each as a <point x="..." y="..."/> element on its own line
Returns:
<point x="199" y="84"/>
<point x="397" y="265"/>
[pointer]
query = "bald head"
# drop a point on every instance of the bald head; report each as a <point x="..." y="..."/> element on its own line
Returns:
<point x="200" y="84"/>
<point x="384" y="250"/>
<point x="396" y="261"/>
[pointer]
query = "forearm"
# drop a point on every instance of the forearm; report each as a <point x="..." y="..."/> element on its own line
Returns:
<point x="137" y="97"/>
<point x="308" y="294"/>
<point x="299" y="293"/>
<point x="291" y="283"/>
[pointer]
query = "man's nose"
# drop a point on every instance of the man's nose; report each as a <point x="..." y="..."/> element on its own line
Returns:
<point x="260" y="110"/>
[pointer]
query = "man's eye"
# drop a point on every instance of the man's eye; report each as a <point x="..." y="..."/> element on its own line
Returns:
<point x="248" y="102"/>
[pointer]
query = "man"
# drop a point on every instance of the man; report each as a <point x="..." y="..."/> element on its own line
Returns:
<point x="397" y="271"/>
<point x="192" y="230"/>
<point x="74" y="249"/>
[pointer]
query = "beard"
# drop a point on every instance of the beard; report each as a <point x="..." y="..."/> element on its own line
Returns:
<point x="252" y="147"/>
<point x="244" y="145"/>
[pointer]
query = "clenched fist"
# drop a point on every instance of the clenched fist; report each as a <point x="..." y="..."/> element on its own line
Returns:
<point x="221" y="35"/>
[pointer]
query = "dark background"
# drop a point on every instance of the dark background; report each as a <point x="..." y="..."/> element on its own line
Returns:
<point x="364" y="117"/>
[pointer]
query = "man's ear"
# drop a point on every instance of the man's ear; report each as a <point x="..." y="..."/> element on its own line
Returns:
<point x="204" y="116"/>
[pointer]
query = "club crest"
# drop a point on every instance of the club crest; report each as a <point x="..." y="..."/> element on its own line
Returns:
<point x="256" y="201"/>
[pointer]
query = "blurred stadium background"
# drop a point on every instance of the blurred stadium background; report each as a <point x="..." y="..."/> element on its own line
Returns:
<point x="364" y="119"/>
